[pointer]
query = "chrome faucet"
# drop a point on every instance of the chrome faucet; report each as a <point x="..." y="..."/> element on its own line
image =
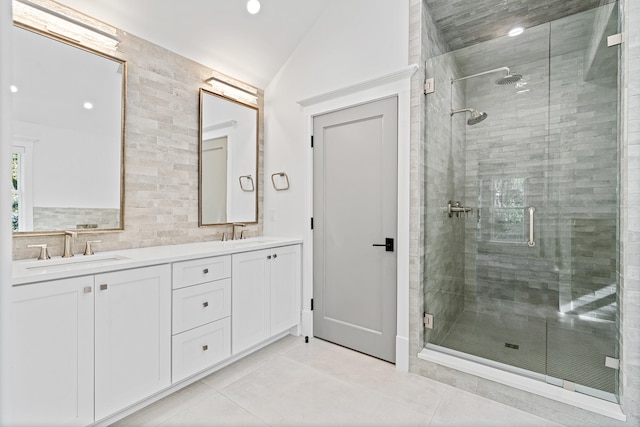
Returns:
<point x="69" y="244"/>
<point x="88" y="246"/>
<point x="236" y="225"/>
<point x="44" y="252"/>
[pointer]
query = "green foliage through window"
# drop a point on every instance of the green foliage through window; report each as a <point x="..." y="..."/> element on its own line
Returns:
<point x="15" y="193"/>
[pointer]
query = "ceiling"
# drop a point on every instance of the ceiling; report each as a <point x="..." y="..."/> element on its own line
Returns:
<point x="468" y="22"/>
<point x="220" y="34"/>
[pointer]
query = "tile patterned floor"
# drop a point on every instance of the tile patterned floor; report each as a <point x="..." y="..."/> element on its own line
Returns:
<point x="561" y="352"/>
<point x="290" y="383"/>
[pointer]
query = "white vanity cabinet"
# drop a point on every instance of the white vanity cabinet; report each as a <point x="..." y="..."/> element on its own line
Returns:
<point x="95" y="338"/>
<point x="201" y="314"/>
<point x="265" y="294"/>
<point x="51" y="350"/>
<point x="133" y="336"/>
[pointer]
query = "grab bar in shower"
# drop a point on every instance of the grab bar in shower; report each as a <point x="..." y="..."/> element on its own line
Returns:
<point x="531" y="242"/>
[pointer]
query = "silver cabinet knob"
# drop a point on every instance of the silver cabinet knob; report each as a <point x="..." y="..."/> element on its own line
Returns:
<point x="205" y="304"/>
<point x="275" y="256"/>
<point x="268" y="256"/>
<point x="205" y="347"/>
<point x="103" y="287"/>
<point x="205" y="271"/>
<point x="87" y="289"/>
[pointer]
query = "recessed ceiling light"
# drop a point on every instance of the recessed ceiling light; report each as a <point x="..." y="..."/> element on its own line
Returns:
<point x="253" y="6"/>
<point x="88" y="105"/>
<point x="13" y="88"/>
<point x="516" y="31"/>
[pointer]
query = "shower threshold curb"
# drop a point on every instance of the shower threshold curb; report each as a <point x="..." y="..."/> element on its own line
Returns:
<point x="588" y="403"/>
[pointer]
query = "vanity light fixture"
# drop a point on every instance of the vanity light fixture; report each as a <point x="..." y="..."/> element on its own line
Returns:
<point x="232" y="88"/>
<point x="56" y="19"/>
<point x="516" y="31"/>
<point x="253" y="6"/>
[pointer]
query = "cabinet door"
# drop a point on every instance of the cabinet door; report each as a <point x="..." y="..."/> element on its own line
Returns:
<point x="285" y="288"/>
<point x="51" y="374"/>
<point x="250" y="312"/>
<point x="133" y="336"/>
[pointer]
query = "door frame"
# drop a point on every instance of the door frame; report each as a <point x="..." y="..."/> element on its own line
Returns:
<point x="394" y="84"/>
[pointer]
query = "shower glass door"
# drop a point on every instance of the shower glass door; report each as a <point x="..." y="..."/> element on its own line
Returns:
<point x="521" y="240"/>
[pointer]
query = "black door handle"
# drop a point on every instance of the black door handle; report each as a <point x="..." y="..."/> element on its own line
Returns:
<point x="388" y="245"/>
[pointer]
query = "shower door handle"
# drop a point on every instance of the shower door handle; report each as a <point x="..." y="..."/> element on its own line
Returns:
<point x="388" y="245"/>
<point x="531" y="242"/>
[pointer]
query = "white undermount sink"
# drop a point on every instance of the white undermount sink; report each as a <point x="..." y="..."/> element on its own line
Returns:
<point x="64" y="264"/>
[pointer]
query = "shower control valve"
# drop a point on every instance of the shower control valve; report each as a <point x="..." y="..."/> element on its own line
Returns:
<point x="456" y="209"/>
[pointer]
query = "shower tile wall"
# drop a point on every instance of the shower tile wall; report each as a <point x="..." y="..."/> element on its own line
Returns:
<point x="583" y="132"/>
<point x="444" y="236"/>
<point x="630" y="283"/>
<point x="566" y="158"/>
<point x="503" y="275"/>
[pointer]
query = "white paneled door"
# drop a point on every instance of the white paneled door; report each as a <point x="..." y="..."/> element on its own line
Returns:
<point x="355" y="225"/>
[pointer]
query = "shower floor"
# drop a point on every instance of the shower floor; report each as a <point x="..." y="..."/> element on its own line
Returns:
<point x="550" y="348"/>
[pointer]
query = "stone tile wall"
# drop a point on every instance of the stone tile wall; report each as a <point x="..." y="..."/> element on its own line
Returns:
<point x="445" y="176"/>
<point x="629" y="295"/>
<point x="426" y="41"/>
<point x="55" y="218"/>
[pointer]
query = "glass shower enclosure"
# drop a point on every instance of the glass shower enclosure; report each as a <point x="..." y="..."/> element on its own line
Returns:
<point x="521" y="234"/>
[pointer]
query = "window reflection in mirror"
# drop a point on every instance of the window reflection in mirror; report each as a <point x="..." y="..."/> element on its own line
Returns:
<point x="67" y="144"/>
<point x="228" y="160"/>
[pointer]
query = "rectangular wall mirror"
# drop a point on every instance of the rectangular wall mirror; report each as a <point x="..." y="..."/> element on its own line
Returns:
<point x="228" y="187"/>
<point x="68" y="136"/>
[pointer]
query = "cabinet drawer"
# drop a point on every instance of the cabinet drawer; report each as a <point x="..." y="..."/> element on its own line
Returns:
<point x="201" y="348"/>
<point x="196" y="305"/>
<point x="187" y="273"/>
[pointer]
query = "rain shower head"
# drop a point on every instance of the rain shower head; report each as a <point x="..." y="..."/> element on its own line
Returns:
<point x="509" y="79"/>
<point x="505" y="80"/>
<point x="476" y="116"/>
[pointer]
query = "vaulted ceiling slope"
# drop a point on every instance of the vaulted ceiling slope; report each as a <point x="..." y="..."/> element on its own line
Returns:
<point x="467" y="22"/>
<point x="220" y="34"/>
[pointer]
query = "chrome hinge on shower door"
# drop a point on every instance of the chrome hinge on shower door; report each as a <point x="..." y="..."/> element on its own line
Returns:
<point x="429" y="86"/>
<point x="612" y="362"/>
<point x="614" y="40"/>
<point x="428" y="321"/>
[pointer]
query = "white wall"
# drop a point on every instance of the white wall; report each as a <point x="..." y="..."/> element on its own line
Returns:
<point x="351" y="42"/>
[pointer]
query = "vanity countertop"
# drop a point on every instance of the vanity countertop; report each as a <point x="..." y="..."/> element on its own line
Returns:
<point x="31" y="270"/>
